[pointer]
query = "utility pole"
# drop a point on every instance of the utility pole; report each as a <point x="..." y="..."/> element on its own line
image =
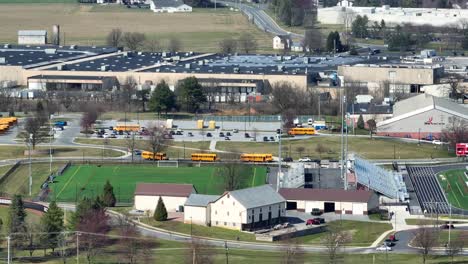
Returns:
<point x="30" y="171"/>
<point x="346" y="154"/>
<point x="449" y="225"/>
<point x="50" y="143"/>
<point x="279" y="154"/>
<point x="77" y="247"/>
<point x="341" y="143"/>
<point x="227" y="252"/>
<point x="8" y="245"/>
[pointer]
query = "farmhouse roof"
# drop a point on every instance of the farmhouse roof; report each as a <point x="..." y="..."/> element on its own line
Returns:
<point x="168" y="3"/>
<point x="164" y="189"/>
<point x="200" y="200"/>
<point x="257" y="196"/>
<point x="32" y="32"/>
<point x="332" y="195"/>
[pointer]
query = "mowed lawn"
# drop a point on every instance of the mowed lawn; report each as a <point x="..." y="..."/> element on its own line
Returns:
<point x="454" y="183"/>
<point x="31" y="217"/>
<point x="18" y="181"/>
<point x="88" y="180"/>
<point x="201" y="30"/>
<point x="364" y="146"/>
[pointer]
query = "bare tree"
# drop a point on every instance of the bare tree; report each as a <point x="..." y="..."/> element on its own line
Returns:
<point x="425" y="238"/>
<point x="131" y="144"/>
<point x="152" y="45"/>
<point x="114" y="37"/>
<point x="156" y="138"/>
<point x="454" y="248"/>
<point x="287" y="96"/>
<point x="133" y="40"/>
<point x="228" y="46"/>
<point x="174" y="44"/>
<point x="300" y="150"/>
<point x="372" y="126"/>
<point x="34" y="133"/>
<point x="255" y="134"/>
<point x="135" y="248"/>
<point x="93" y="227"/>
<point x="335" y="238"/>
<point x="454" y="80"/>
<point x="231" y="173"/>
<point x="312" y="39"/>
<point x="321" y="149"/>
<point x="247" y="43"/>
<point x="455" y="131"/>
<point x="292" y="251"/>
<point x="200" y="253"/>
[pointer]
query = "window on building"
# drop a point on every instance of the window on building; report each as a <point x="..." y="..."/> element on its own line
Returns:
<point x="222" y="202"/>
<point x="228" y="196"/>
<point x="391" y="74"/>
<point x="228" y="213"/>
<point x="216" y="222"/>
<point x="233" y="224"/>
<point x="225" y="223"/>
<point x="216" y="212"/>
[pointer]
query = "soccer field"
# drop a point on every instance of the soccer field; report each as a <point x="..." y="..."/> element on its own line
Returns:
<point x="454" y="184"/>
<point x="80" y="181"/>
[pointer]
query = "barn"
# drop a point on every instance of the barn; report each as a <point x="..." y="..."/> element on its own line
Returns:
<point x="174" y="196"/>
<point x="421" y="117"/>
<point x="330" y="200"/>
<point x="197" y="209"/>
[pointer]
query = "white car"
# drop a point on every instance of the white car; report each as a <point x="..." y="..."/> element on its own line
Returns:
<point x="437" y="142"/>
<point x="304" y="160"/>
<point x="384" y="248"/>
<point x="106" y="135"/>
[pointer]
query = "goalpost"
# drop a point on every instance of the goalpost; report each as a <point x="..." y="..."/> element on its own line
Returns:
<point x="168" y="163"/>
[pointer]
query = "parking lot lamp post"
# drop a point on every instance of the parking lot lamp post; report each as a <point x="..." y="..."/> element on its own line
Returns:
<point x="279" y="154"/>
<point x="449" y="225"/>
<point x="30" y="172"/>
<point x="50" y="143"/>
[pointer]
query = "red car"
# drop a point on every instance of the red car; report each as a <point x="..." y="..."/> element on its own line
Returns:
<point x="314" y="221"/>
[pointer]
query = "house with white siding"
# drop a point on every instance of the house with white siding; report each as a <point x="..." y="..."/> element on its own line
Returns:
<point x="169" y="6"/>
<point x="248" y="209"/>
<point x="174" y="196"/>
<point x="197" y="209"/>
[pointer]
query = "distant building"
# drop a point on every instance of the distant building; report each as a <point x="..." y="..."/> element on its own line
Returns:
<point x="169" y="6"/>
<point x="422" y="116"/>
<point x="174" y="196"/>
<point x="281" y="42"/>
<point x="297" y="47"/>
<point x="197" y="209"/>
<point x="330" y="200"/>
<point x="32" y="37"/>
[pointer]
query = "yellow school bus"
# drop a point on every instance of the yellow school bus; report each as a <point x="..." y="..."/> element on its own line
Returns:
<point x="302" y="131"/>
<point x="204" y="157"/>
<point x="148" y="155"/>
<point x="256" y="157"/>
<point x="128" y="127"/>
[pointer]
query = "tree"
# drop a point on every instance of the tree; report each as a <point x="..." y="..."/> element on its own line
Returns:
<point x="133" y="40"/>
<point x="135" y="249"/>
<point x="359" y="26"/>
<point x="312" y="39"/>
<point x="34" y="133"/>
<point x="52" y="225"/>
<point x="114" y="38"/>
<point x="334" y="42"/>
<point x="455" y="131"/>
<point x="372" y="125"/>
<point x="93" y="226"/>
<point x="108" y="196"/>
<point x="190" y="94"/>
<point x="334" y="239"/>
<point x="152" y="45"/>
<point x="87" y="121"/>
<point x="320" y="149"/>
<point x="17" y="221"/>
<point x="228" y="46"/>
<point x="231" y="172"/>
<point x="464" y="42"/>
<point x="455" y="247"/>
<point x="32" y="241"/>
<point x="425" y="238"/>
<point x="82" y="208"/>
<point x="300" y="150"/>
<point x="200" y="253"/>
<point x="162" y="98"/>
<point x="156" y="138"/>
<point x="142" y="96"/>
<point x="160" y="214"/>
<point x="174" y="44"/>
<point x="292" y="252"/>
<point x="360" y="122"/>
<point x="247" y="43"/>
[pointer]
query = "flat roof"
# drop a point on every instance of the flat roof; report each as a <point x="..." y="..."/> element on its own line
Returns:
<point x="164" y="189"/>
<point x="69" y="77"/>
<point x="332" y="195"/>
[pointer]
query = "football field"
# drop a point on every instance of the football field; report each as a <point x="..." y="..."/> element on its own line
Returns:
<point x="454" y="183"/>
<point x="80" y="181"/>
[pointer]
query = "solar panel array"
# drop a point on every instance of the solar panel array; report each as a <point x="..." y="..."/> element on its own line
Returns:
<point x="428" y="190"/>
<point x="386" y="182"/>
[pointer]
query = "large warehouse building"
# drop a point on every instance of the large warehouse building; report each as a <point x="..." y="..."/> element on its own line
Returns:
<point x="330" y="200"/>
<point x="421" y="116"/>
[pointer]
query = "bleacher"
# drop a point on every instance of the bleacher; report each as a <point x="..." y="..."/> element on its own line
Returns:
<point x="430" y="194"/>
<point x="388" y="183"/>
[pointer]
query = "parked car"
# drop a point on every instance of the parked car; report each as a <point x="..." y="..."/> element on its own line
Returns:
<point x="227" y="138"/>
<point x="221" y="134"/>
<point x="447" y="226"/>
<point x="288" y="159"/>
<point x="167" y="136"/>
<point x="286" y="225"/>
<point x="179" y="133"/>
<point x="137" y="152"/>
<point x="111" y="128"/>
<point x="235" y="130"/>
<point x="305" y="160"/>
<point x="100" y="135"/>
<point x="272" y="139"/>
<point x="172" y="132"/>
<point x="312" y="222"/>
<point x="277" y="227"/>
<point x="392" y="238"/>
<point x="208" y="134"/>
<point x="265" y="139"/>
<point x="246" y="135"/>
<point x="190" y="134"/>
<point x="228" y="134"/>
<point x="437" y="142"/>
<point x="389" y="243"/>
<point x="316" y="211"/>
<point x="320" y="220"/>
<point x="106" y="135"/>
<point x="113" y="136"/>
<point x="136" y="212"/>
<point x="384" y="248"/>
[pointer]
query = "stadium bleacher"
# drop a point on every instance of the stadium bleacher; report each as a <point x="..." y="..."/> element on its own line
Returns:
<point x="429" y="193"/>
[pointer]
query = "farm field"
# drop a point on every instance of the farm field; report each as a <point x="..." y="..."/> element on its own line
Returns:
<point x="200" y="31"/>
<point x="88" y="180"/>
<point x="454" y="183"/>
<point x="364" y="146"/>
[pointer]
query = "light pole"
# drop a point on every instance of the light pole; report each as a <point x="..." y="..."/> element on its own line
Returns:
<point x="449" y="225"/>
<point x="8" y="245"/>
<point x="227" y="252"/>
<point x="30" y="171"/>
<point x="78" y="247"/>
<point x="50" y="143"/>
<point x="279" y="154"/>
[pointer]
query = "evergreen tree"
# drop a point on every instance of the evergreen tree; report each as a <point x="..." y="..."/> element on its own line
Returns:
<point x="52" y="225"/>
<point x="17" y="221"/>
<point x="83" y="207"/>
<point x="162" y="98"/>
<point x="360" y="122"/>
<point x="190" y="94"/>
<point x="160" y="214"/>
<point x="359" y="26"/>
<point x="108" y="197"/>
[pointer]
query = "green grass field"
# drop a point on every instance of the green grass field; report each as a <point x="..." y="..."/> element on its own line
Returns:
<point x="31" y="217"/>
<point x="88" y="180"/>
<point x="454" y="184"/>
